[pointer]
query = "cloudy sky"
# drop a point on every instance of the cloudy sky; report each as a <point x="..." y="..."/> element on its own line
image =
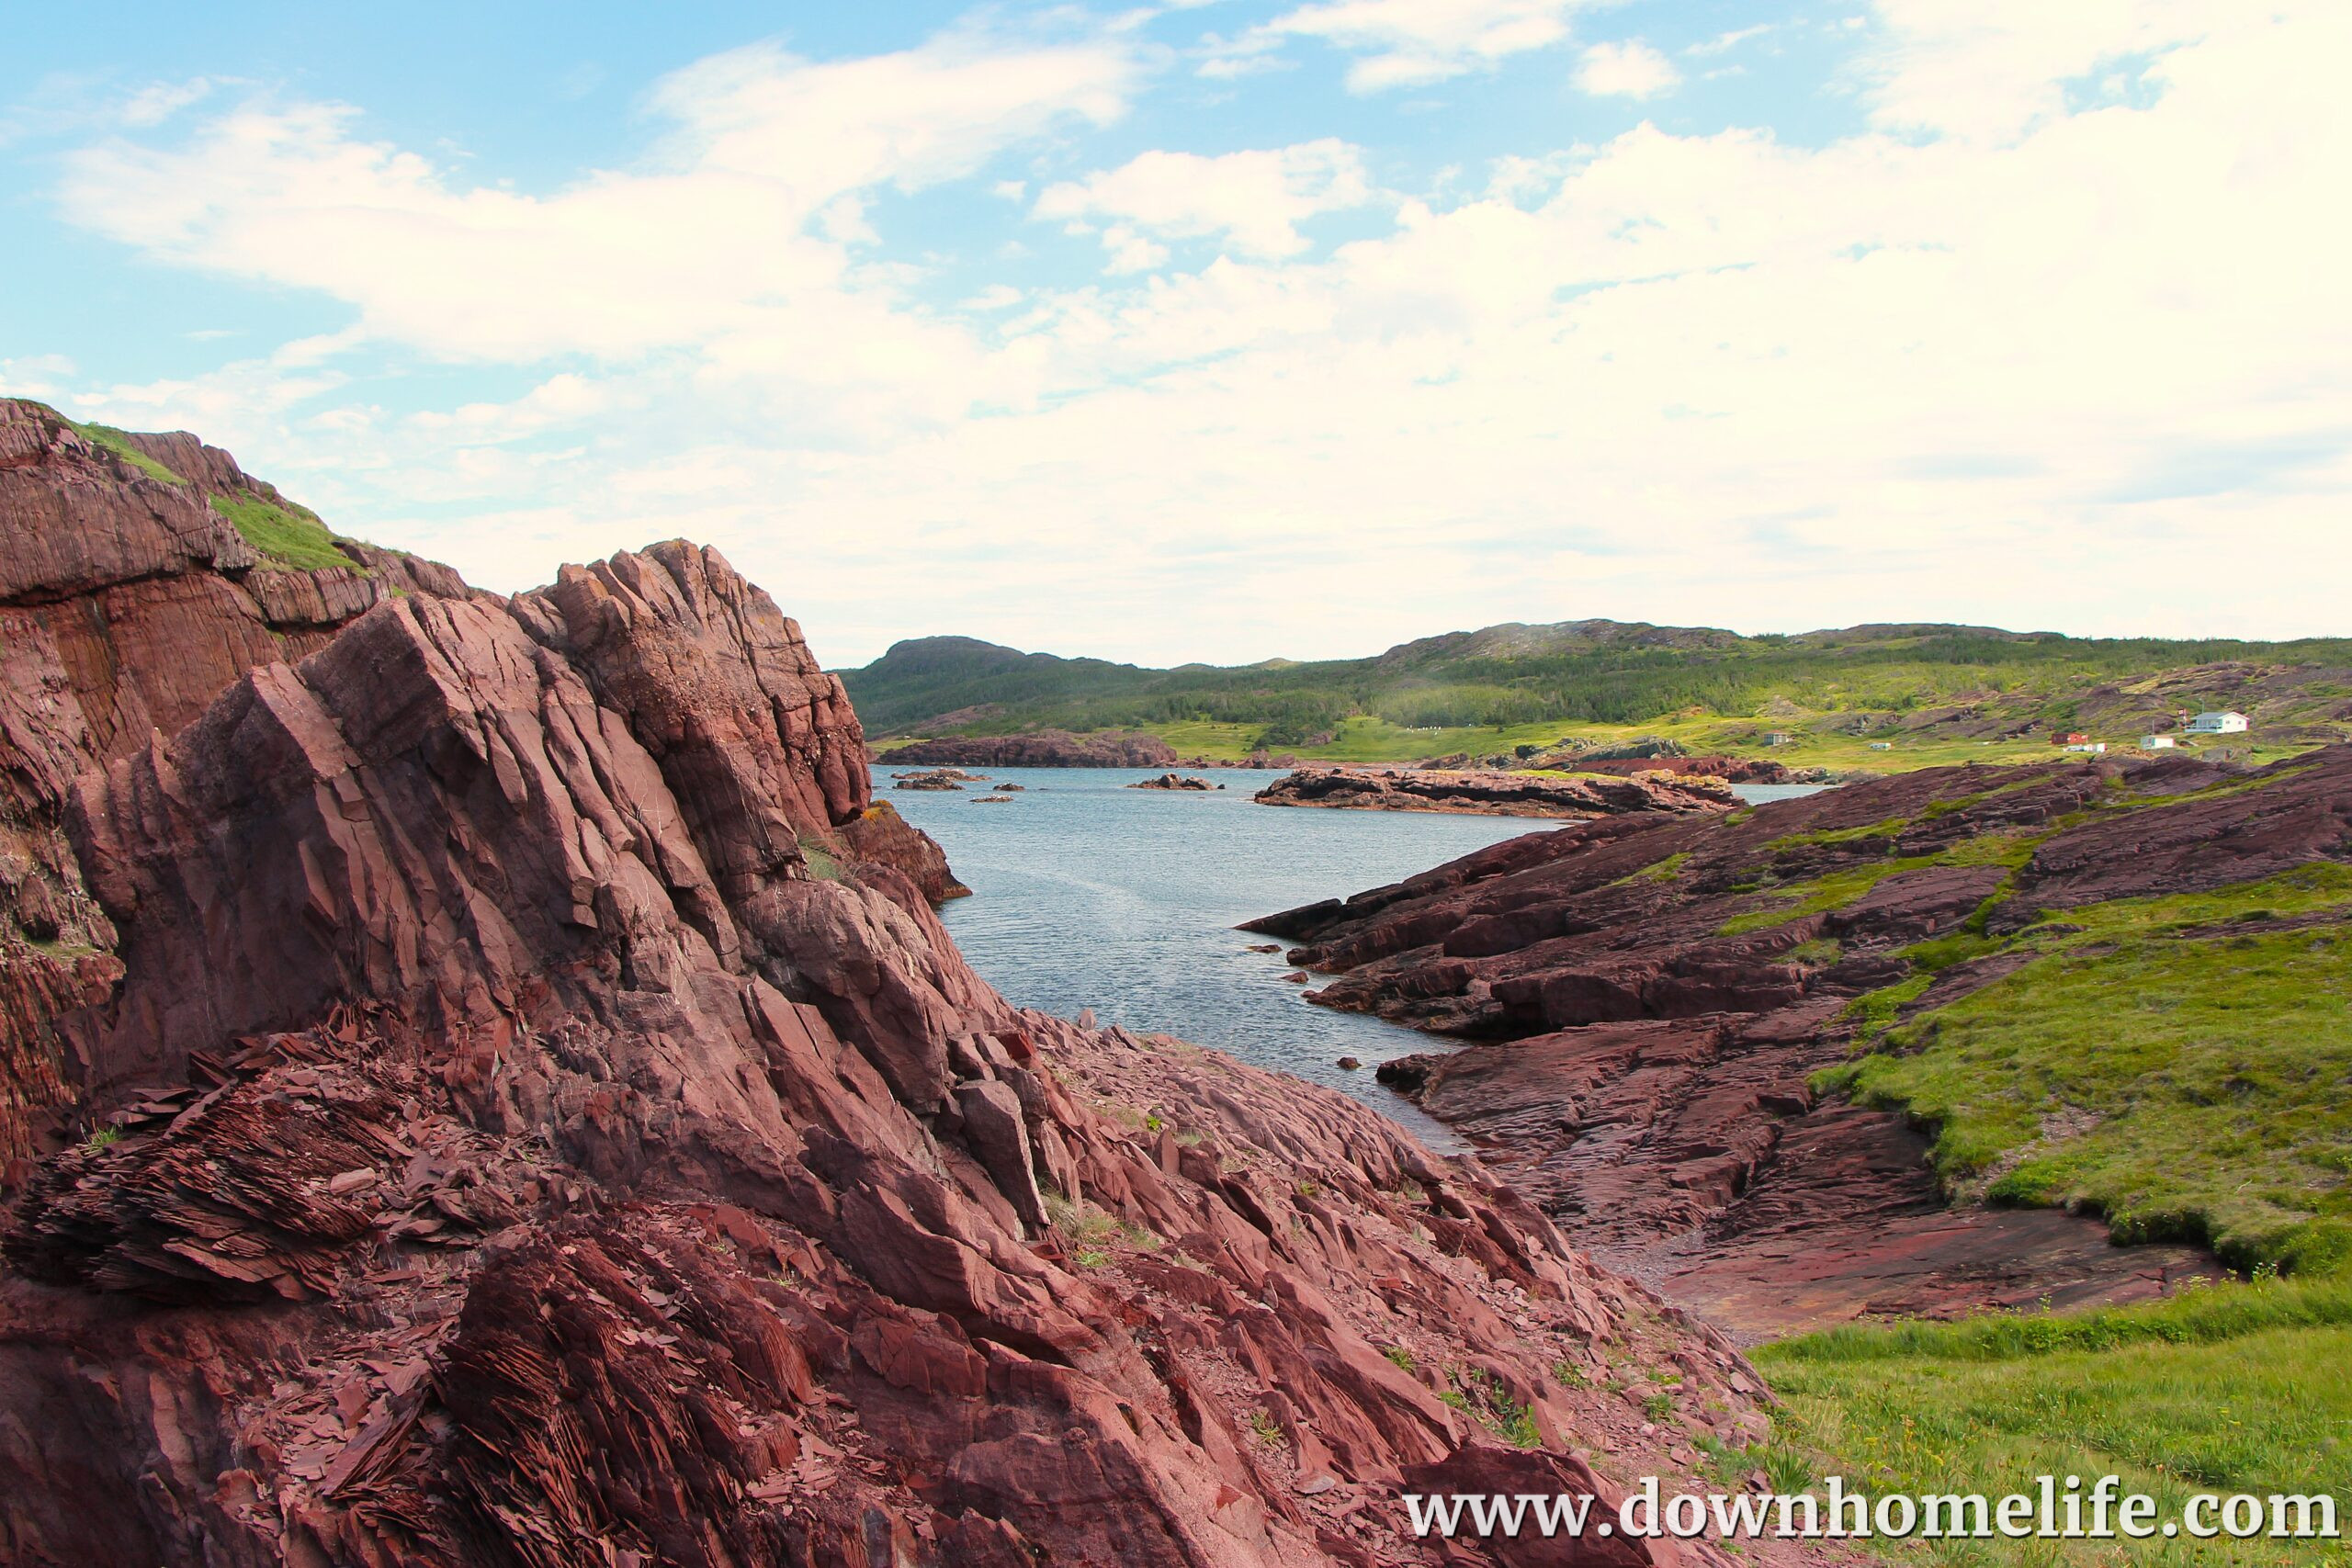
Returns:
<point x="1225" y="331"/>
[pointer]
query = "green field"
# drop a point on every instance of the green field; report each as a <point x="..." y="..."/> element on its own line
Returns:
<point x="2226" y="1389"/>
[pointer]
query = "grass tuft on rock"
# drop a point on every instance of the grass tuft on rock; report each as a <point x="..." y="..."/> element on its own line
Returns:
<point x="287" y="536"/>
<point x="107" y="438"/>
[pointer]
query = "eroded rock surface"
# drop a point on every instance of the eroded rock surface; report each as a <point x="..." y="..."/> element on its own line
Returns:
<point x="523" y="1109"/>
<point x="127" y="602"/>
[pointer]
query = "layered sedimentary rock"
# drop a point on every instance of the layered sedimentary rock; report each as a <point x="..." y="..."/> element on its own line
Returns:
<point x="520" y="1120"/>
<point x="1648" y="1018"/>
<point x="127" y="602"/>
<point x="130" y="602"/>
<point x="1039" y="749"/>
<point x="1494" y="794"/>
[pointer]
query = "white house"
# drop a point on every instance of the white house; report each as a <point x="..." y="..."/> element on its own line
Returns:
<point x="2093" y="747"/>
<point x="2231" y="723"/>
<point x="2157" y="743"/>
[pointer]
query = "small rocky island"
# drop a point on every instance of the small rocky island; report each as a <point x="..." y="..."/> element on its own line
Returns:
<point x="1174" y="781"/>
<point x="1497" y="794"/>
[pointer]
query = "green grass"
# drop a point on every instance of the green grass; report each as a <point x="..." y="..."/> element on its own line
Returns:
<point x="287" y="537"/>
<point x="116" y="442"/>
<point x="1820" y="895"/>
<point x="1514" y="1424"/>
<point x="2184" y="1079"/>
<point x="1889" y="829"/>
<point x="1820" y="952"/>
<point x="2233" y="1388"/>
<point x="822" y="864"/>
<point x="1666" y="870"/>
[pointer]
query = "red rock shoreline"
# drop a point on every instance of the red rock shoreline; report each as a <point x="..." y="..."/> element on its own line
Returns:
<point x="1643" y="1076"/>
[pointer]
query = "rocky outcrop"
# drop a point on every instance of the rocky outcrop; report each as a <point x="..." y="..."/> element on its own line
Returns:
<point x="127" y="602"/>
<point x="538" y="1120"/>
<point x="1039" y="749"/>
<point x="1494" y="794"/>
<point x="879" y="836"/>
<point x="1649" y="998"/>
<point x="1174" y="781"/>
<point x="130" y="602"/>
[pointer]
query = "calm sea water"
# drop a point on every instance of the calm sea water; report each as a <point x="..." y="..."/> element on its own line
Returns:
<point x="1087" y="894"/>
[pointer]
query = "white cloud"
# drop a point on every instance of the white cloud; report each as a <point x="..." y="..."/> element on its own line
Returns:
<point x="1402" y="43"/>
<point x="2001" y="357"/>
<point x="555" y="404"/>
<point x="1255" y="200"/>
<point x="40" y="375"/>
<point x="156" y="103"/>
<point x="1962" y="69"/>
<point x="1723" y="42"/>
<point x="714" y="236"/>
<point x="1629" y="70"/>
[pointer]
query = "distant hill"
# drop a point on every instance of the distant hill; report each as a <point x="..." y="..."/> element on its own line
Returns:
<point x="1841" y="695"/>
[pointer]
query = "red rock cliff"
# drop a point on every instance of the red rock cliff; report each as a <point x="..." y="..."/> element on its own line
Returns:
<point x="515" y="1143"/>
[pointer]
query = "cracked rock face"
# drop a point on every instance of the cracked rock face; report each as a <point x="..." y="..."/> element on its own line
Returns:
<point x="507" y="1100"/>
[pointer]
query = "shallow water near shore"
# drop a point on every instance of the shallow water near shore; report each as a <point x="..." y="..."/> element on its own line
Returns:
<point x="1087" y="894"/>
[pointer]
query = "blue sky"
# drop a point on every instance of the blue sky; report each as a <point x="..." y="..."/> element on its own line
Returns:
<point x="1225" y="331"/>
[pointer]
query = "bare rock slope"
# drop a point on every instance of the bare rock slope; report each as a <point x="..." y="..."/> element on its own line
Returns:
<point x="507" y="1100"/>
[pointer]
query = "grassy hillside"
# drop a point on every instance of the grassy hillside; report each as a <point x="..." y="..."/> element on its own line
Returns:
<point x="1883" y="696"/>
